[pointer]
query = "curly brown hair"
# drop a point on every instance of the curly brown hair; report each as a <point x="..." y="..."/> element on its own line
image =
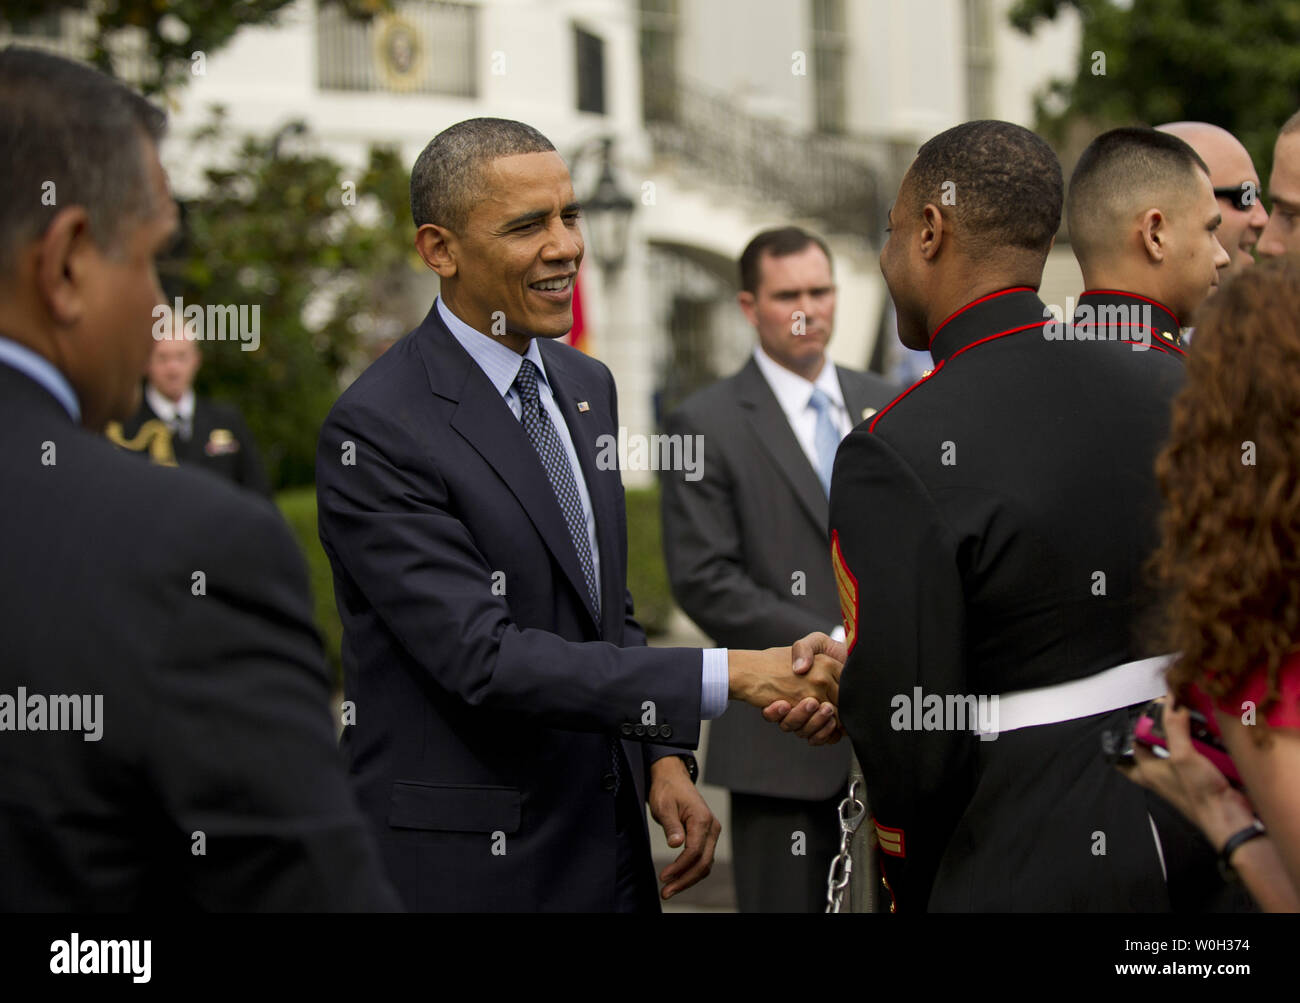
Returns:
<point x="1230" y="531"/>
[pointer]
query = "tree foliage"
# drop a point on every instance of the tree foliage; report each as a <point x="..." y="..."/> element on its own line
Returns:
<point x="171" y="31"/>
<point x="1233" y="63"/>
<point x="321" y="251"/>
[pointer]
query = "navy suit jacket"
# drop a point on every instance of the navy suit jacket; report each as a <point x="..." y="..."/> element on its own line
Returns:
<point x="484" y="687"/>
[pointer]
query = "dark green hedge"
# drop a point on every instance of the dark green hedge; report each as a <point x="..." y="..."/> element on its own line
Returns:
<point x="647" y="577"/>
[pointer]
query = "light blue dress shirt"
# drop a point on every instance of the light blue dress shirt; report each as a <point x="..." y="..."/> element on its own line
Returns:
<point x="44" y="372"/>
<point x="501" y="365"/>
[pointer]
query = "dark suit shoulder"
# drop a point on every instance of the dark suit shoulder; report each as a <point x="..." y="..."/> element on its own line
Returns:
<point x="398" y="368"/>
<point x="877" y="390"/>
<point x="179" y="504"/>
<point x="709" y="400"/>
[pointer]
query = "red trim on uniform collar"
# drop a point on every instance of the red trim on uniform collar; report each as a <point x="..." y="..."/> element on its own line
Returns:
<point x="1136" y="296"/>
<point x="1000" y="292"/>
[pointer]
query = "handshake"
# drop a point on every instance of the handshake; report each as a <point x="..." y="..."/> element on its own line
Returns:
<point x="796" y="687"/>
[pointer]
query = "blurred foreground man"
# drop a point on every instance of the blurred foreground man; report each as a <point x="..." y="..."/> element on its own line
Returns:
<point x="988" y="531"/>
<point x="771" y="431"/>
<point x="173" y="424"/>
<point x="1144" y="224"/>
<point x="1236" y="186"/>
<point x="165" y="738"/>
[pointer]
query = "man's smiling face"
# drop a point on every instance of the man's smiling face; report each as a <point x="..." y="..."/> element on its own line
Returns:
<point x="519" y="251"/>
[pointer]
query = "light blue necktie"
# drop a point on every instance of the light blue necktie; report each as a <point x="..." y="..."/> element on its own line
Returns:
<point x="826" y="439"/>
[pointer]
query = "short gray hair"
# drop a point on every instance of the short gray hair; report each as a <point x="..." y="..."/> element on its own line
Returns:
<point x="446" y="178"/>
<point x="71" y="135"/>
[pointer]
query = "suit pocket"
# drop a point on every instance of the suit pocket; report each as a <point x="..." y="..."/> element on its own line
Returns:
<point x="454" y="807"/>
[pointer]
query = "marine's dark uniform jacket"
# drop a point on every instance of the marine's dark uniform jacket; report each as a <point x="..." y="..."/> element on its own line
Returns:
<point x="988" y="532"/>
<point x="1109" y="314"/>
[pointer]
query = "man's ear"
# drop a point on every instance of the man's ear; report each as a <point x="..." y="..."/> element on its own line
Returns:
<point x="63" y="256"/>
<point x="437" y="246"/>
<point x="931" y="232"/>
<point x="748" y="306"/>
<point x="1151" y="228"/>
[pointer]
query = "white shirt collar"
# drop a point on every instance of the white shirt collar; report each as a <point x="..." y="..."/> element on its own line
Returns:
<point x="792" y="390"/>
<point x="165" y="409"/>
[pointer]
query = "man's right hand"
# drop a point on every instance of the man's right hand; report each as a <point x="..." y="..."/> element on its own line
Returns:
<point x="764" y="678"/>
<point x="818" y="724"/>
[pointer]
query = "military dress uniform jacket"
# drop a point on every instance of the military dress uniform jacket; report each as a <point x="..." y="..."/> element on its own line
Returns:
<point x="1109" y="314"/>
<point x="219" y="442"/>
<point x="988" y="530"/>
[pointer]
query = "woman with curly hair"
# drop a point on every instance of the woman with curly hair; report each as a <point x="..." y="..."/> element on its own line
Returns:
<point x="1230" y="560"/>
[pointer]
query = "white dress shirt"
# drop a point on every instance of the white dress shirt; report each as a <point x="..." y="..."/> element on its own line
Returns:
<point x="175" y="414"/>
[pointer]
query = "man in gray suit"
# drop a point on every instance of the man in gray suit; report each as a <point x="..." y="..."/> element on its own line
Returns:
<point x="749" y="558"/>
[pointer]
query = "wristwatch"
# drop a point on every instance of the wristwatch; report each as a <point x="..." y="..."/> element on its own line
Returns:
<point x="692" y="767"/>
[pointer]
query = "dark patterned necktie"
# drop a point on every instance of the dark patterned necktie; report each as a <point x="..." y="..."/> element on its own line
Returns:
<point x="559" y="471"/>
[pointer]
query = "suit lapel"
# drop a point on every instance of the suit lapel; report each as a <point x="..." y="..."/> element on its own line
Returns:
<point x="602" y="485"/>
<point x="777" y="439"/>
<point x="855" y="398"/>
<point x="485" y="421"/>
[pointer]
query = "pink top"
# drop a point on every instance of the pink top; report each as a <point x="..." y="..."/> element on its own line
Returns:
<point x="1285" y="713"/>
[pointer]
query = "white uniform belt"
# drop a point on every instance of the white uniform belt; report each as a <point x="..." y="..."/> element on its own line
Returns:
<point x="1122" y="686"/>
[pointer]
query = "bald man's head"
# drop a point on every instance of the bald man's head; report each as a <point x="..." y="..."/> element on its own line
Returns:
<point x="1236" y="186"/>
<point x="1142" y="217"/>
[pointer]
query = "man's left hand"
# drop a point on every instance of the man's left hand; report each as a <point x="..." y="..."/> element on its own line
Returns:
<point x="687" y="822"/>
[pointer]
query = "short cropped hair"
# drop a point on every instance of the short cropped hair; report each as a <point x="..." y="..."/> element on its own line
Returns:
<point x="71" y="135"/>
<point x="447" y="176"/>
<point x="779" y="243"/>
<point x="999" y="184"/>
<point x="1291" y="125"/>
<point x="1122" y="172"/>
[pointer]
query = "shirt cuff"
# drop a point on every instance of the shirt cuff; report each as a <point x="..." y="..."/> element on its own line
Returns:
<point x="838" y="633"/>
<point x="715" y="683"/>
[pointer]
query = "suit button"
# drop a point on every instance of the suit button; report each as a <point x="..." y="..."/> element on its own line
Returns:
<point x="653" y="731"/>
<point x="639" y="729"/>
<point x="665" y="732"/>
<point x="627" y="729"/>
<point x="608" y="781"/>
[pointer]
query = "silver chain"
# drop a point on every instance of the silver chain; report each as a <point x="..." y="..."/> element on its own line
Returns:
<point x="852" y="812"/>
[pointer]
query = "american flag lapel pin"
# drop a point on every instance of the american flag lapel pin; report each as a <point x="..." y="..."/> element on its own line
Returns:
<point x="583" y="406"/>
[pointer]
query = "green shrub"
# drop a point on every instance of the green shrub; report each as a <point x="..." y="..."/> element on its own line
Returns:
<point x="647" y="576"/>
<point x="298" y="506"/>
